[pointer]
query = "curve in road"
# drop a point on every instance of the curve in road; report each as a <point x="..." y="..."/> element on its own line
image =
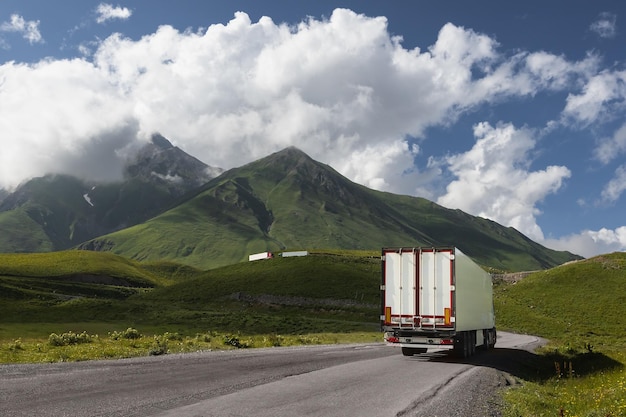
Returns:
<point x="337" y="380"/>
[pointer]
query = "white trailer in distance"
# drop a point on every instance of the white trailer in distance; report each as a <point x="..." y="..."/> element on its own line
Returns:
<point x="259" y="256"/>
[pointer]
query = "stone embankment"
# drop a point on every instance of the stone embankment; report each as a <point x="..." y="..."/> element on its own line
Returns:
<point x="512" y="277"/>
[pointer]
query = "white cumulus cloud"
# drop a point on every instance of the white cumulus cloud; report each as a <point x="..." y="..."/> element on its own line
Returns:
<point x="605" y="25"/>
<point x="494" y="180"/>
<point x="603" y="96"/>
<point x="611" y="147"/>
<point x="616" y="186"/>
<point x="342" y="89"/>
<point x="590" y="243"/>
<point x="61" y="116"/>
<point x="106" y="12"/>
<point x="29" y="29"/>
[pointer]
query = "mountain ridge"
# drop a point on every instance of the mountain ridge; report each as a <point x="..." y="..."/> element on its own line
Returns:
<point x="169" y="206"/>
<point x="57" y="211"/>
<point x="288" y="200"/>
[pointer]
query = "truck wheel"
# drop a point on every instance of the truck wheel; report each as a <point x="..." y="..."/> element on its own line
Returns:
<point x="467" y="345"/>
<point x="493" y="337"/>
<point x="462" y="345"/>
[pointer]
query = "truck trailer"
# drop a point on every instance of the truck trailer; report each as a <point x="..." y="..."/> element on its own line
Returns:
<point x="259" y="256"/>
<point x="435" y="298"/>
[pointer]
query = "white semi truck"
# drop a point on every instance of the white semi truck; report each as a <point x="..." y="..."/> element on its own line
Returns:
<point x="435" y="298"/>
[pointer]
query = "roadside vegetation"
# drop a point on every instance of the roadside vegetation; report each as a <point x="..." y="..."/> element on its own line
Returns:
<point x="86" y="297"/>
<point x="579" y="308"/>
<point x="75" y="305"/>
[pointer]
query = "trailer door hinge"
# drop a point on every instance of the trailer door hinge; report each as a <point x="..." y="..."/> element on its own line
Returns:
<point x="383" y="288"/>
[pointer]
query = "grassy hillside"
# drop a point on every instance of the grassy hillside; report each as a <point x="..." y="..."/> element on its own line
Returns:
<point x="20" y="233"/>
<point x="345" y="279"/>
<point x="51" y="213"/>
<point x="579" y="307"/>
<point x="582" y="301"/>
<point x="317" y="293"/>
<point x="485" y="241"/>
<point x="53" y="207"/>
<point x="85" y="305"/>
<point x="32" y="282"/>
<point x="571" y="301"/>
<point x="53" y="265"/>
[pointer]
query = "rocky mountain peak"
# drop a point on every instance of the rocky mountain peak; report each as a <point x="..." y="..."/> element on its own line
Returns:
<point x="161" y="142"/>
<point x="160" y="161"/>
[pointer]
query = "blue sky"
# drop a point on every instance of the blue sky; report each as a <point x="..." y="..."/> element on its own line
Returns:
<point x="513" y="111"/>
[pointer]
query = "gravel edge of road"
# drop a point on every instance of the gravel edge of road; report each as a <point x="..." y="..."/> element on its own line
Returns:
<point x="477" y="390"/>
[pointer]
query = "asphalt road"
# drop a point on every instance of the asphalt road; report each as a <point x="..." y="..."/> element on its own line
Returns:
<point x="338" y="380"/>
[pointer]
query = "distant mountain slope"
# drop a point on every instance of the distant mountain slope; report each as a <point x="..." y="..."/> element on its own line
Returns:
<point x="57" y="212"/>
<point x="288" y="200"/>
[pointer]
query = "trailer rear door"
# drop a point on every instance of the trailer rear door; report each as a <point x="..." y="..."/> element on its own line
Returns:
<point x="400" y="296"/>
<point x="418" y="289"/>
<point x="436" y="288"/>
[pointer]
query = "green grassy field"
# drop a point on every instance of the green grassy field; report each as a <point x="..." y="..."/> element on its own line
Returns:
<point x="78" y="305"/>
<point x="579" y="307"/>
<point x="322" y="298"/>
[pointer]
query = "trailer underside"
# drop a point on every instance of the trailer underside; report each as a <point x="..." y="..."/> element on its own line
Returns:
<point x="463" y="344"/>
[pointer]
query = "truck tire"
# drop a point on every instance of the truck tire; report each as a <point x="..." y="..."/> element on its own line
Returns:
<point x="462" y="347"/>
<point x="493" y="337"/>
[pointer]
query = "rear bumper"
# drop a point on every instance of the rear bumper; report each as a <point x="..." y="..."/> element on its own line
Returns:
<point x="404" y="339"/>
<point x="420" y="346"/>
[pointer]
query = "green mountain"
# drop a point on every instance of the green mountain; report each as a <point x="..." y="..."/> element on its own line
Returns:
<point x="289" y="201"/>
<point x="58" y="212"/>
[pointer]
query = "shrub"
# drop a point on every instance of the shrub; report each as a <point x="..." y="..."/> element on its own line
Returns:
<point x="206" y="338"/>
<point x="172" y="336"/>
<point x="129" y="333"/>
<point x="70" y="338"/>
<point x="234" y="341"/>
<point x="16" y="345"/>
<point x="159" y="346"/>
<point x="275" y="340"/>
<point x="309" y="340"/>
